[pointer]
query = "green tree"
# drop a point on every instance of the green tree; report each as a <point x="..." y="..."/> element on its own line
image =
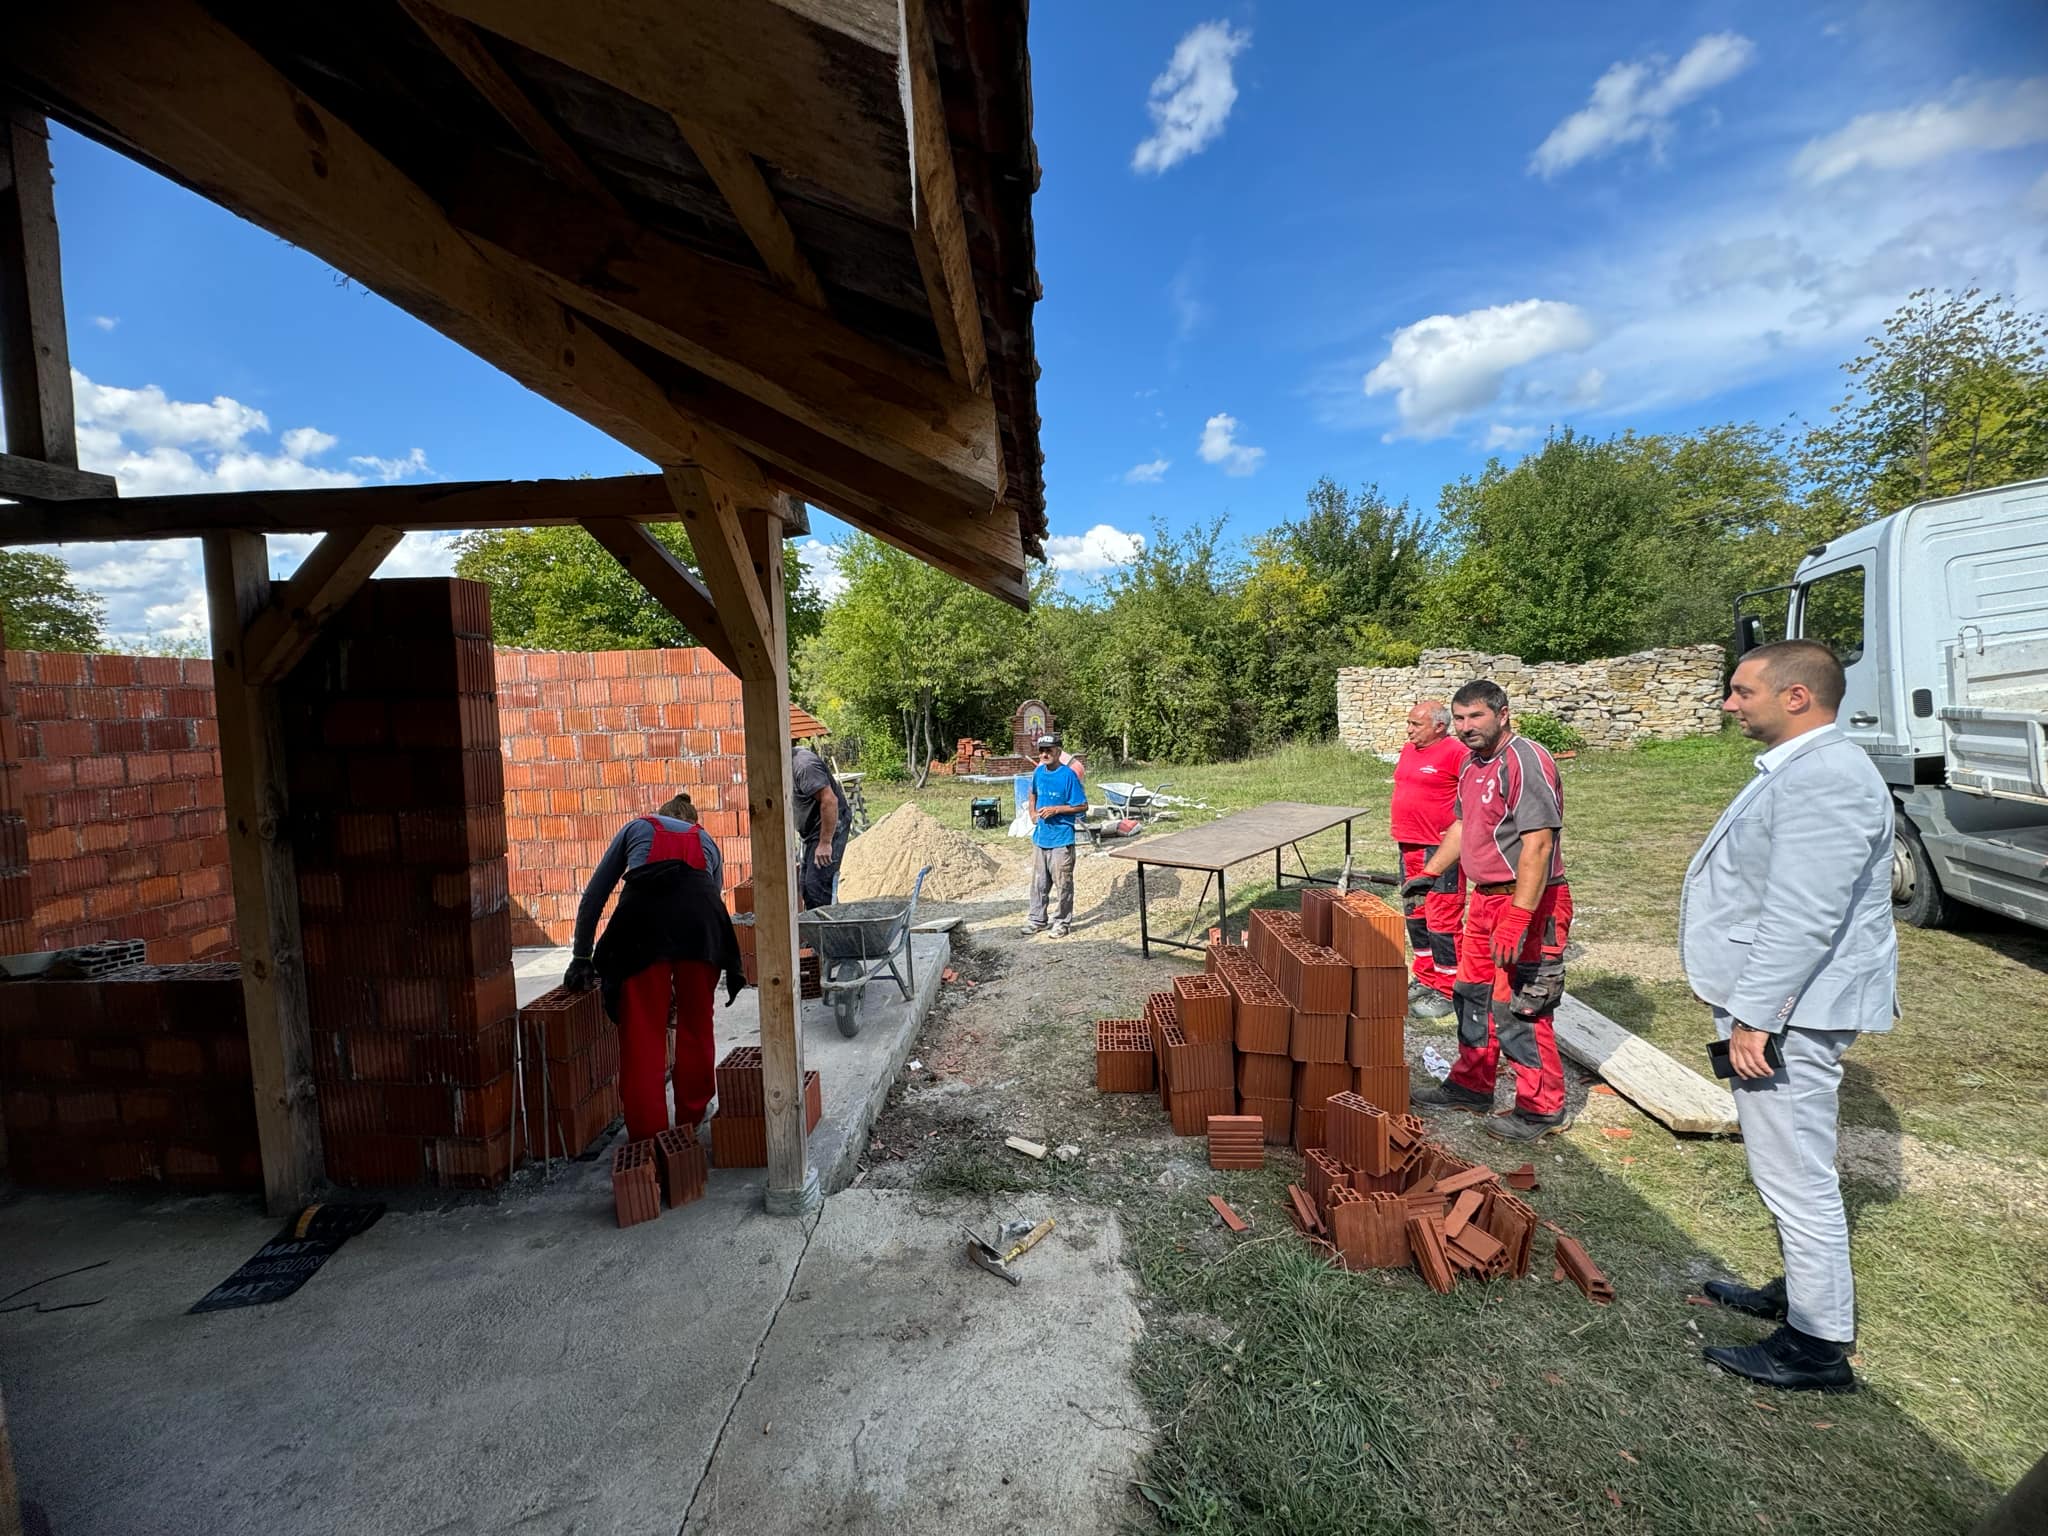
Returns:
<point x="1371" y="554"/>
<point x="908" y="652"/>
<point x="1951" y="396"/>
<point x="42" y="608"/>
<point x="1161" y="672"/>
<point x="559" y="589"/>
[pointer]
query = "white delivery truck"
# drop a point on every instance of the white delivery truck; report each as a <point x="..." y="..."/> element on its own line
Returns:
<point x="1940" y="616"/>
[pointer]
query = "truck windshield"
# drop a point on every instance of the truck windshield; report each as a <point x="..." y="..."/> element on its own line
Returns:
<point x="1831" y="611"/>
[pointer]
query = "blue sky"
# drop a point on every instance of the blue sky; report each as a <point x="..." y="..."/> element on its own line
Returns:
<point x="1277" y="242"/>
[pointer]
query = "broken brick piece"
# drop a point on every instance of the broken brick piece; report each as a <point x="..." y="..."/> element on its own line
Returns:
<point x="1577" y="1266"/>
<point x="1466" y="1180"/>
<point x="1432" y="1256"/>
<point x="1462" y="1210"/>
<point x="1523" y="1178"/>
<point x="1231" y="1219"/>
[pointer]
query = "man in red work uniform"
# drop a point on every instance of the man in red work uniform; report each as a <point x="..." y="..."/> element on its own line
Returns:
<point x="1508" y="840"/>
<point x="1425" y="794"/>
<point x="667" y="943"/>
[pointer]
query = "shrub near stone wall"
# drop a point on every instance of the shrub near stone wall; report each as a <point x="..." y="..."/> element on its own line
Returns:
<point x="1650" y="696"/>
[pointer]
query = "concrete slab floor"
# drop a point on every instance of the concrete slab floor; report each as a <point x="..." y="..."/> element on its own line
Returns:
<point x="469" y="1365"/>
<point x="854" y="1074"/>
<point x="901" y="1389"/>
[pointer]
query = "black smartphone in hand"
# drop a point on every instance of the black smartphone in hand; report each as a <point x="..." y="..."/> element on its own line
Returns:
<point x="1774" y="1056"/>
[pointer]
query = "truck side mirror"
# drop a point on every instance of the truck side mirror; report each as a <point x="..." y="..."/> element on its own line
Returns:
<point x="1748" y="634"/>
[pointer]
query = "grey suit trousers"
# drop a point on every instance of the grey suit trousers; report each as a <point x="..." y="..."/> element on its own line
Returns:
<point x="1788" y="1129"/>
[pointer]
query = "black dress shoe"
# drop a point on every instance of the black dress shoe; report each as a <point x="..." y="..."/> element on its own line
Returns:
<point x="1789" y="1360"/>
<point x="1767" y="1301"/>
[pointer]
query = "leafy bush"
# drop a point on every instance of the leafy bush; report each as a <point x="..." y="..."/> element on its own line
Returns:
<point x="1550" y="733"/>
<point x="887" y="770"/>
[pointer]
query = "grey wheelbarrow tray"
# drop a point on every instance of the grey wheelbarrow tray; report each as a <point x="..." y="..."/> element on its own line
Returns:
<point x="857" y="942"/>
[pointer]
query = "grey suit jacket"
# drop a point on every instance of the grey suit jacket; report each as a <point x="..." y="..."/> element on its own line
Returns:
<point x="1786" y="913"/>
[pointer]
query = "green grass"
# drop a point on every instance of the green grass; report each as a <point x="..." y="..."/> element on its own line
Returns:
<point x="1292" y="1398"/>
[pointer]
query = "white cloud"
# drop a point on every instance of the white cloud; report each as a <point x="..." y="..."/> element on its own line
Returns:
<point x="154" y="445"/>
<point x="1501" y="436"/>
<point x="2037" y="196"/>
<point x="1449" y="366"/>
<point x="1220" y="446"/>
<point x="1101" y="548"/>
<point x="1975" y="115"/>
<point x="106" y="322"/>
<point x="822" y="561"/>
<point x="1147" y="474"/>
<point x="1635" y="101"/>
<point x="1191" y="101"/>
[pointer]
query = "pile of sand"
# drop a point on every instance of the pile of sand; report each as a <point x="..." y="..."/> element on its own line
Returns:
<point x="885" y="859"/>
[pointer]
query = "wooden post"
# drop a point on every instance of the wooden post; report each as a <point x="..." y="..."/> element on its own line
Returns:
<point x="741" y="557"/>
<point x="35" y="354"/>
<point x="266" y="880"/>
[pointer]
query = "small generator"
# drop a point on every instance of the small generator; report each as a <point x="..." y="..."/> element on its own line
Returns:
<point x="986" y="814"/>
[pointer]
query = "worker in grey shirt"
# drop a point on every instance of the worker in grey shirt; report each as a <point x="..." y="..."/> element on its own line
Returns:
<point x="1785" y="932"/>
<point x="820" y="826"/>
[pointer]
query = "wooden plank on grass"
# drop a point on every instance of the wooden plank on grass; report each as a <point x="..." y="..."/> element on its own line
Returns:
<point x="1649" y="1078"/>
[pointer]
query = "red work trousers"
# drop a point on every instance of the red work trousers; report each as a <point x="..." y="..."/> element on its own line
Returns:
<point x="1511" y="1009"/>
<point x="682" y="989"/>
<point x="1433" y="927"/>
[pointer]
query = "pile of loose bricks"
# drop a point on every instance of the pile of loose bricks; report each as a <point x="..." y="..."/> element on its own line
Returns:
<point x="1300" y="1035"/>
<point x="671" y="1167"/>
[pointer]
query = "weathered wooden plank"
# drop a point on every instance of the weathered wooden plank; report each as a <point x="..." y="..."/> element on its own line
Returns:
<point x="326" y="579"/>
<point x="717" y="531"/>
<point x="747" y="194"/>
<point x="35" y="352"/>
<point x="1650" y="1079"/>
<point x="937" y="230"/>
<point x="34" y="480"/>
<point x="265" y="879"/>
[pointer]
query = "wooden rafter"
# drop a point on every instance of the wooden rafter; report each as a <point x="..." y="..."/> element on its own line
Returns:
<point x="752" y="201"/>
<point x="35" y="353"/>
<point x="219" y="116"/>
<point x="32" y="480"/>
<point x="468" y="52"/>
<point x="938" y="229"/>
<point x="807" y="87"/>
<point x="667" y="580"/>
<point x="786" y="359"/>
<point x="326" y="579"/>
<point x="462" y="504"/>
<point x="710" y="511"/>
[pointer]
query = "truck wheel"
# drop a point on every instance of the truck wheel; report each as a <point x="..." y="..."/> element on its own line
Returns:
<point x="1916" y="893"/>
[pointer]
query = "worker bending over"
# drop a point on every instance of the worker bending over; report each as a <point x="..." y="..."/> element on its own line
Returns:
<point x="1508" y="839"/>
<point x="1425" y="794"/>
<point x="667" y="943"/>
<point x="821" y="827"/>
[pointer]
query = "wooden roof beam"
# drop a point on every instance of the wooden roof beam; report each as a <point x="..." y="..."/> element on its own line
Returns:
<point x="214" y="113"/>
<point x="332" y="573"/>
<point x="460" y="44"/>
<point x="937" y="228"/>
<point x="747" y="194"/>
<point x="667" y="580"/>
<point x="35" y="350"/>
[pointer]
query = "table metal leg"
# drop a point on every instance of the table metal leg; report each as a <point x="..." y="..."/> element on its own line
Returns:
<point x="1144" y="932"/>
<point x="1222" y="908"/>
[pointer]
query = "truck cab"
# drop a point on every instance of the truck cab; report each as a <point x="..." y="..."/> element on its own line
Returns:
<point x="1939" y="614"/>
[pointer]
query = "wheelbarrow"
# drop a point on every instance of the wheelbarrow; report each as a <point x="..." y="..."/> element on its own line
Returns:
<point x="1133" y="800"/>
<point x="857" y="942"/>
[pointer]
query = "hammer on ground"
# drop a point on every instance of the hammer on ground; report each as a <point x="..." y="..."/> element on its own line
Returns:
<point x="993" y="1259"/>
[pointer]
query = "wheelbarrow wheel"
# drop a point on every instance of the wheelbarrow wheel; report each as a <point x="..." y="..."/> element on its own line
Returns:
<point x="846" y="1000"/>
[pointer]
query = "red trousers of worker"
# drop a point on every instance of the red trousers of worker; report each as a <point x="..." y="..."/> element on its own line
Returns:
<point x="1433" y="929"/>
<point x="682" y="989"/>
<point x="1487" y="993"/>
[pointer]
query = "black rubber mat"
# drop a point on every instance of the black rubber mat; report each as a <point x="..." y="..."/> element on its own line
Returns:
<point x="291" y="1258"/>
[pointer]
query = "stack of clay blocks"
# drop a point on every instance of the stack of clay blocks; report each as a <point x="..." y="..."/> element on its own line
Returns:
<point x="636" y="1190"/>
<point x="1260" y="1024"/>
<point x="1372" y="938"/>
<point x="1237" y="1141"/>
<point x="1123" y="1056"/>
<point x="739" y="1131"/>
<point x="570" y="1054"/>
<point x="1200" y="1075"/>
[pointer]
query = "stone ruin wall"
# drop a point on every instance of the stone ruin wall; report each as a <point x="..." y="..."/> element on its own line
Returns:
<point x="1657" y="695"/>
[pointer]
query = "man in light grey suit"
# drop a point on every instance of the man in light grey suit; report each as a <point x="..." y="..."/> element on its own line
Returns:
<point x="1785" y="930"/>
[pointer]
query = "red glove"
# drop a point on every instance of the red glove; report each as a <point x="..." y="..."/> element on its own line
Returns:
<point x="1509" y="934"/>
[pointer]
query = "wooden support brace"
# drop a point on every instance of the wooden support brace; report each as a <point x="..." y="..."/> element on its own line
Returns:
<point x="35" y="352"/>
<point x="265" y="878"/>
<point x="321" y="587"/>
<point x="710" y="509"/>
<point x="746" y="192"/>
<point x="26" y="479"/>
<point x="667" y="580"/>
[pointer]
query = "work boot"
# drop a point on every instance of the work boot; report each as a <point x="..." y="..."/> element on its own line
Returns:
<point x="1766" y="1301"/>
<point x="1448" y="1095"/>
<point x="1059" y="930"/>
<point x="1520" y="1125"/>
<point x="1790" y="1360"/>
<point x="1032" y="930"/>
<point x="1431" y="1004"/>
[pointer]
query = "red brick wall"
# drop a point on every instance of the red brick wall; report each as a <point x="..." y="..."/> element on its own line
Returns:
<point x="120" y="787"/>
<point x="141" y="1076"/>
<point x="17" y="899"/>
<point x="594" y="738"/>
